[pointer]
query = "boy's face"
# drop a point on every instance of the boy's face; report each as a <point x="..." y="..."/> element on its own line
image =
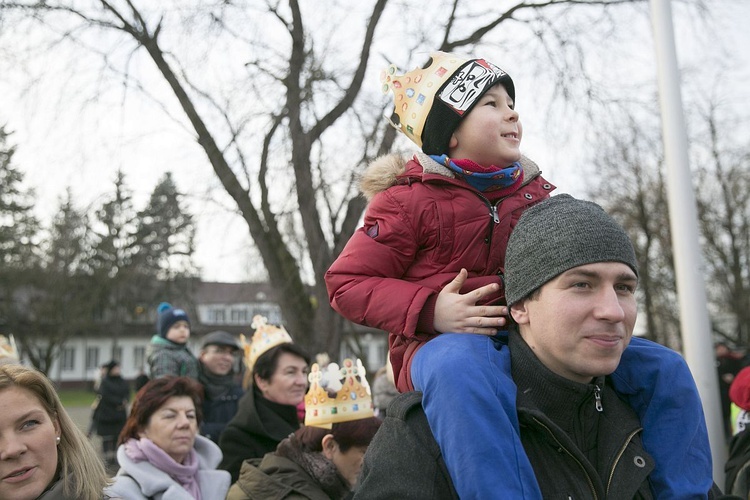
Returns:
<point x="179" y="333"/>
<point x="491" y="133"/>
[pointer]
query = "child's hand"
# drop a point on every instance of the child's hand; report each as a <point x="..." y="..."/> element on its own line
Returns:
<point x="459" y="313"/>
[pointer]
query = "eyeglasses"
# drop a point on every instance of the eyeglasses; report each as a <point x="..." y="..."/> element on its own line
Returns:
<point x="219" y="349"/>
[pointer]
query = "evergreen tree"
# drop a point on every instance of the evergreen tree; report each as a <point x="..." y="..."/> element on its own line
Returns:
<point x="165" y="234"/>
<point x="114" y="275"/>
<point x="18" y="232"/>
<point x="18" y="225"/>
<point x="63" y="304"/>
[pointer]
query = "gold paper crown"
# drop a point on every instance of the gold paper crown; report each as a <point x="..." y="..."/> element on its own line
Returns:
<point x="457" y="82"/>
<point x="337" y="394"/>
<point x="265" y="337"/>
<point x="413" y="92"/>
<point x="8" y="349"/>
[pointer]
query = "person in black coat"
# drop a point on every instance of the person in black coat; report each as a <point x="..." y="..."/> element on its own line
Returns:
<point x="217" y="361"/>
<point x="111" y="413"/>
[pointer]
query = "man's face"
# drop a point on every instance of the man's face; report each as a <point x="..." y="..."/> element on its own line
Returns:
<point x="218" y="359"/>
<point x="582" y="320"/>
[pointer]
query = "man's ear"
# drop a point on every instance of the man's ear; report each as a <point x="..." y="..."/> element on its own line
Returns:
<point x="329" y="446"/>
<point x="520" y="312"/>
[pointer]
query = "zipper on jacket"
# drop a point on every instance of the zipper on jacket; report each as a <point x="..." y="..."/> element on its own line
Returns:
<point x="619" y="456"/>
<point x="494" y="215"/>
<point x="598" y="398"/>
<point x="562" y="447"/>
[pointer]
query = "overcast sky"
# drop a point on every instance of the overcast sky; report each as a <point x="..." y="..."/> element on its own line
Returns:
<point x="83" y="148"/>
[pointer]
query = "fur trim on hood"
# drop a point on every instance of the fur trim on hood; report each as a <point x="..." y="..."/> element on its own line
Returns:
<point x="385" y="170"/>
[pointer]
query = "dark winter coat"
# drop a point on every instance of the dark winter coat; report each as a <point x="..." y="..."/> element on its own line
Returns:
<point x="582" y="440"/>
<point x="289" y="474"/>
<point x="111" y="411"/>
<point x="256" y="429"/>
<point x="422" y="225"/>
<point x="220" y="404"/>
<point x="737" y="467"/>
<point x="557" y="419"/>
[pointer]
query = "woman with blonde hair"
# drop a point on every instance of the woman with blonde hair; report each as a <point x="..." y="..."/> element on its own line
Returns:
<point x="43" y="454"/>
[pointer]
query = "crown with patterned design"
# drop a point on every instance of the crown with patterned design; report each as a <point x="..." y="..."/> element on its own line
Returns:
<point x="265" y="337"/>
<point x="8" y="348"/>
<point x="337" y="394"/>
<point x="429" y="102"/>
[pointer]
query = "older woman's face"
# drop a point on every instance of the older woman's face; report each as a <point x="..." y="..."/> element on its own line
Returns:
<point x="173" y="427"/>
<point x="348" y="463"/>
<point x="288" y="383"/>
<point x="28" y="445"/>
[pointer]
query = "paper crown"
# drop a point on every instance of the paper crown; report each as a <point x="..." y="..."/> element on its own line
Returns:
<point x="337" y="394"/>
<point x="8" y="349"/>
<point x="265" y="337"/>
<point x="429" y="102"/>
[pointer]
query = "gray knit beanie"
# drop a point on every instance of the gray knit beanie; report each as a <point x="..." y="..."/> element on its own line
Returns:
<point x="558" y="234"/>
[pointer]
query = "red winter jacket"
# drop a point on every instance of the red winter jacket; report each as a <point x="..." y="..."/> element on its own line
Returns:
<point x="422" y="225"/>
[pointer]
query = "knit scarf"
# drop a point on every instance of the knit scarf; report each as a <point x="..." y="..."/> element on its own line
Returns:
<point x="322" y="470"/>
<point x="483" y="178"/>
<point x="215" y="386"/>
<point x="140" y="450"/>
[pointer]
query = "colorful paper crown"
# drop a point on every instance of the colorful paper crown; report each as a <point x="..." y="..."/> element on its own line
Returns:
<point x="429" y="102"/>
<point x="265" y="337"/>
<point x="337" y="394"/>
<point x="8" y="349"/>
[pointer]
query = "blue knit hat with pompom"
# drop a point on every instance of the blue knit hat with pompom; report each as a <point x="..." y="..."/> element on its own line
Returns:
<point x="168" y="316"/>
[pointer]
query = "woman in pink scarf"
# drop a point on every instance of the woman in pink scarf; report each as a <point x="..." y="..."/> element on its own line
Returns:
<point x="161" y="455"/>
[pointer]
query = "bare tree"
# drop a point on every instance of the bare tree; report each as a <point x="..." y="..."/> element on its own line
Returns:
<point x="723" y="197"/>
<point x="638" y="201"/>
<point x="284" y="153"/>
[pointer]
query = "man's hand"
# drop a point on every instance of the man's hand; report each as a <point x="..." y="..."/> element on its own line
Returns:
<point x="457" y="313"/>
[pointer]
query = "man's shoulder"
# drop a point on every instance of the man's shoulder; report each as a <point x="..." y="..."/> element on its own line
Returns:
<point x="405" y="404"/>
<point x="406" y="426"/>
<point x="403" y="459"/>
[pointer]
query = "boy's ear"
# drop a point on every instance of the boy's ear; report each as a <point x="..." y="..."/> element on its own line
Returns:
<point x="453" y="141"/>
<point x="519" y="312"/>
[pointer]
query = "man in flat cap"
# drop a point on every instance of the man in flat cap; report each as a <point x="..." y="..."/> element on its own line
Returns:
<point x="217" y="360"/>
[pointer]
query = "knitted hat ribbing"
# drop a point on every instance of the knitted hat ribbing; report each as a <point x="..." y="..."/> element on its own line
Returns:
<point x="168" y="316"/>
<point x="558" y="234"/>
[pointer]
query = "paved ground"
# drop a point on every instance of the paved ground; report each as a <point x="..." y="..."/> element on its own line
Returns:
<point x="81" y="416"/>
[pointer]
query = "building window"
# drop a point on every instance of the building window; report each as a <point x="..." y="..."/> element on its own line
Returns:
<point x="68" y="362"/>
<point x="218" y="316"/>
<point x="117" y="353"/>
<point x="139" y="357"/>
<point x="239" y="316"/>
<point x="92" y="358"/>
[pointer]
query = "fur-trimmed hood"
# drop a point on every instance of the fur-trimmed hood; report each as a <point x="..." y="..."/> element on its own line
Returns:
<point x="384" y="171"/>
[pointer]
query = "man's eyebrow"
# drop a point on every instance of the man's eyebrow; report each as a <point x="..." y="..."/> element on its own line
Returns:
<point x="587" y="273"/>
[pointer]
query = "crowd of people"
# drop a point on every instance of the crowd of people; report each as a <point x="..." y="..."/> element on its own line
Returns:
<point x="513" y="371"/>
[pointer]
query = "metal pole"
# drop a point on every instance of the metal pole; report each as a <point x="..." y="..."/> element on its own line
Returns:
<point x="683" y="217"/>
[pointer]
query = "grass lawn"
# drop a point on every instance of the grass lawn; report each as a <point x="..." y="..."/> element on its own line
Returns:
<point x="76" y="397"/>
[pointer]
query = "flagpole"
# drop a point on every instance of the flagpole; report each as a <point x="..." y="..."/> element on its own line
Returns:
<point x="694" y="321"/>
